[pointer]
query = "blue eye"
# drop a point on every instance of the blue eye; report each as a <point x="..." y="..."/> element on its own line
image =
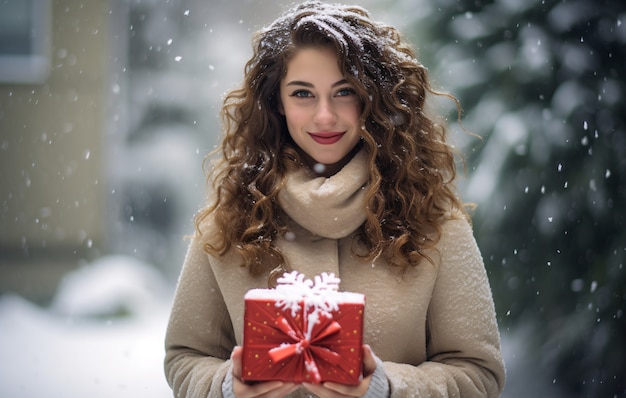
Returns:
<point x="301" y="94"/>
<point x="344" y="92"/>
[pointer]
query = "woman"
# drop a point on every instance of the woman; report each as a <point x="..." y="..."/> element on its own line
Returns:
<point x="330" y="164"/>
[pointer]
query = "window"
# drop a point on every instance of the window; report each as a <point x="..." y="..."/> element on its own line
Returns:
<point x="25" y="36"/>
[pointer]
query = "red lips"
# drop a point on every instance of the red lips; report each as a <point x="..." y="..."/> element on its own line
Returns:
<point x="326" y="138"/>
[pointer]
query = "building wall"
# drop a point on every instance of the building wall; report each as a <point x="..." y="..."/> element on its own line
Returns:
<point x="51" y="156"/>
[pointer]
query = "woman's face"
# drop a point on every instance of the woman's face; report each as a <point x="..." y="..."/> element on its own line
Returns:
<point x="321" y="108"/>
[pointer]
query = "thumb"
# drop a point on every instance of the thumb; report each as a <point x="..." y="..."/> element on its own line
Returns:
<point x="369" y="361"/>
<point x="236" y="357"/>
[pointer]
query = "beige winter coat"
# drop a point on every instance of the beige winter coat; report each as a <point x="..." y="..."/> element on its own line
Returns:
<point x="434" y="327"/>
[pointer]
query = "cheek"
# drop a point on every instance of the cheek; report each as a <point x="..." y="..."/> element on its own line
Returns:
<point x="295" y="117"/>
<point x="356" y="113"/>
<point x="352" y="113"/>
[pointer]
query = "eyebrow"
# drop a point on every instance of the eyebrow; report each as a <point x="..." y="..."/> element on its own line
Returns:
<point x="307" y="84"/>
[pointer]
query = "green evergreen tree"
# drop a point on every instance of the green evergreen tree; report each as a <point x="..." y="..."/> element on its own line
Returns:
<point x="543" y="82"/>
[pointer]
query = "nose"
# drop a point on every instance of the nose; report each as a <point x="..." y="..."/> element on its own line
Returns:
<point x="325" y="114"/>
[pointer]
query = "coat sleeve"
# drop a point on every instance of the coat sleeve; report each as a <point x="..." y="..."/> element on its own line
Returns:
<point x="199" y="337"/>
<point x="463" y="342"/>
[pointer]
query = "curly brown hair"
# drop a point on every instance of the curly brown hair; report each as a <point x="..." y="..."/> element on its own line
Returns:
<point x="411" y="167"/>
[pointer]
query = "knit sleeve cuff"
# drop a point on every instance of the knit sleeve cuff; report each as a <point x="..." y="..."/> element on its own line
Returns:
<point x="379" y="384"/>
<point x="227" y="384"/>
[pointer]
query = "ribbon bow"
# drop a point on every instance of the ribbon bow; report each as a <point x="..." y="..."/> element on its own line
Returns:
<point x="307" y="345"/>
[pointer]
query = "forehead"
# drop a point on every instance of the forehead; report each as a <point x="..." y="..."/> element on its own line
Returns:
<point x="319" y="63"/>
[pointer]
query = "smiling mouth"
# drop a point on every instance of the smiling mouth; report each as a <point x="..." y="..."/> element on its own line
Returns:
<point x="326" y="138"/>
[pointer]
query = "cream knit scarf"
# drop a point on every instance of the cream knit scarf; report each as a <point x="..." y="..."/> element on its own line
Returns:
<point x="328" y="207"/>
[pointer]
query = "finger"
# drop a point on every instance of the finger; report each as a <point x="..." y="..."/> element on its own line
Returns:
<point x="265" y="389"/>
<point x="344" y="390"/>
<point x="333" y="390"/>
<point x="236" y="357"/>
<point x="369" y="362"/>
<point x="287" y="389"/>
<point x="319" y="390"/>
<point x="243" y="390"/>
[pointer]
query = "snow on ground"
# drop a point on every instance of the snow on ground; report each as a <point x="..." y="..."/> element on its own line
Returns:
<point x="81" y="346"/>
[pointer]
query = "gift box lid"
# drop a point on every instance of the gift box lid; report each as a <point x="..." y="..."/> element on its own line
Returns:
<point x="321" y="294"/>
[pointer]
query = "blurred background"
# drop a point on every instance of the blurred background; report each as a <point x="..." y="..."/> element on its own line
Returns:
<point x="107" y="109"/>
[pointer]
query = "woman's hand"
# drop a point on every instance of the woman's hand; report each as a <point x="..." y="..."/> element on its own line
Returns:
<point x="269" y="389"/>
<point x="335" y="390"/>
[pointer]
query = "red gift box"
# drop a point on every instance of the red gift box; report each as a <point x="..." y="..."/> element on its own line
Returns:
<point x="303" y="331"/>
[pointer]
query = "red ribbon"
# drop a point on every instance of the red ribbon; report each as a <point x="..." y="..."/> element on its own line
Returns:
<point x="308" y="350"/>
